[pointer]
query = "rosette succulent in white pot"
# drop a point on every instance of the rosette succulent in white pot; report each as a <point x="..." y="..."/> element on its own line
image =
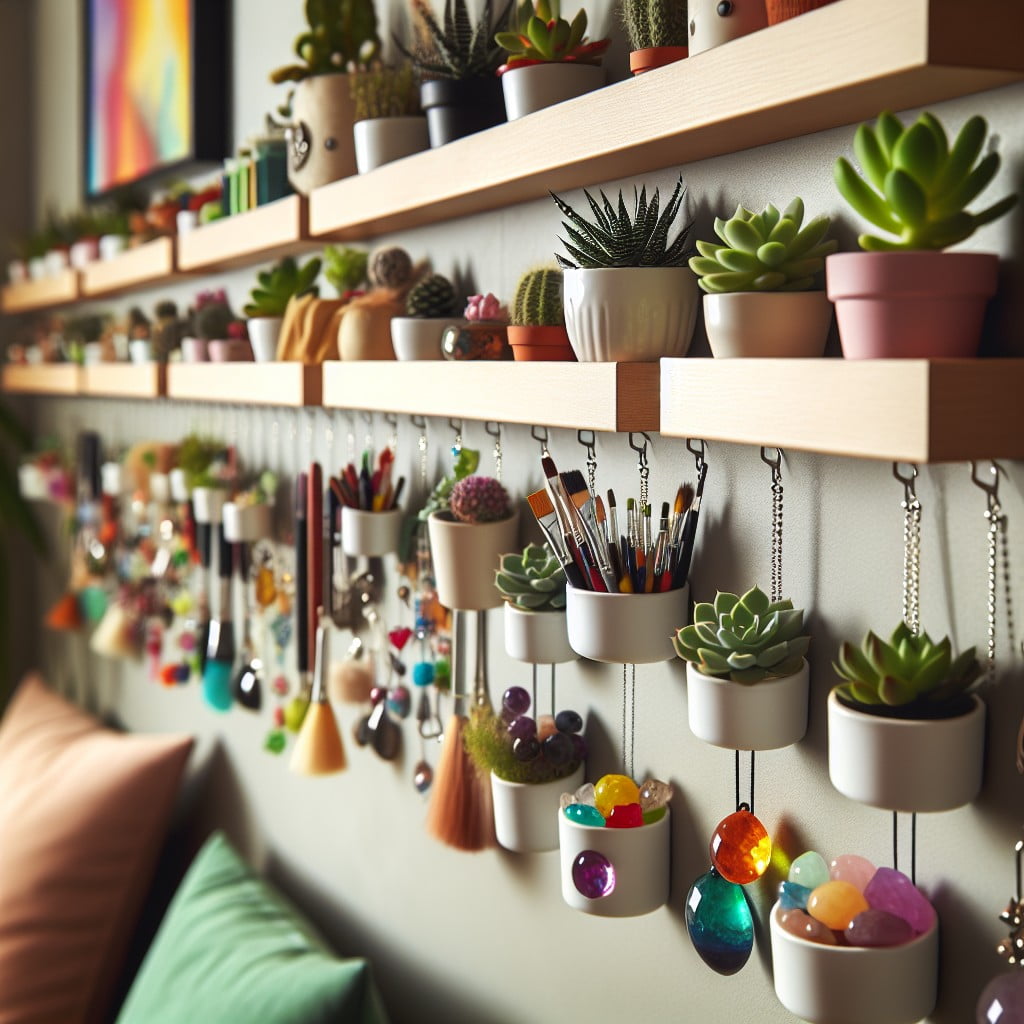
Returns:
<point x="533" y="585"/>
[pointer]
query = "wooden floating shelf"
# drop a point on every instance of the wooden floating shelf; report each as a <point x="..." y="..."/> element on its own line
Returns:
<point x="55" y="290"/>
<point x="591" y="396"/>
<point x="842" y="63"/>
<point x="44" y="379"/>
<point x="289" y="384"/>
<point x="149" y="264"/>
<point x="124" y="380"/>
<point x="907" y="410"/>
<point x="269" y="231"/>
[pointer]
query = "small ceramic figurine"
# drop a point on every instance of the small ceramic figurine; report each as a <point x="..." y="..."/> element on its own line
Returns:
<point x="713" y="22"/>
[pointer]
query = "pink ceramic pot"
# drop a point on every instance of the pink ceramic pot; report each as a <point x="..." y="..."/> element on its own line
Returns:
<point x="230" y="350"/>
<point x="911" y="305"/>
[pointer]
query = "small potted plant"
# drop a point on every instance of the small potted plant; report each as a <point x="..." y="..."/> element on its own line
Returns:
<point x="389" y="121"/>
<point x="533" y="585"/>
<point x="429" y="307"/>
<point x="629" y="295"/>
<point x="537" y="329"/>
<point x="714" y="22"/>
<point x="459" y="94"/>
<point x="248" y="516"/>
<point x="531" y="761"/>
<point x="746" y="675"/>
<point x="658" y="32"/>
<point x="549" y="59"/>
<point x="484" y="333"/>
<point x="904" y="730"/>
<point x="214" y="334"/>
<point x="760" y="280"/>
<point x="346" y="269"/>
<point x="274" y="289"/>
<point x="903" y="296"/>
<point x="365" y="329"/>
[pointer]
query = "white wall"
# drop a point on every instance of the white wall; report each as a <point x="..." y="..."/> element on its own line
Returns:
<point x="486" y="937"/>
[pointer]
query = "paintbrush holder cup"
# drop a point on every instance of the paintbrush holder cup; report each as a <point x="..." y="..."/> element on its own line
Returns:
<point x="615" y="872"/>
<point x="246" y="523"/>
<point x="747" y="716"/>
<point x="524" y="813"/>
<point x="466" y="556"/>
<point x="370" y="533"/>
<point x="208" y="504"/>
<point x="541" y="638"/>
<point x="618" y="629"/>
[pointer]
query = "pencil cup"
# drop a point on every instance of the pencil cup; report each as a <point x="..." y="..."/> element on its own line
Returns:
<point x="466" y="556"/>
<point x="370" y="533"/>
<point x="246" y="523"/>
<point x="625" y="628"/>
<point x="537" y="637"/>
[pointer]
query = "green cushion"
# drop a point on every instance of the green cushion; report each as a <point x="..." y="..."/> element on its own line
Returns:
<point x="231" y="950"/>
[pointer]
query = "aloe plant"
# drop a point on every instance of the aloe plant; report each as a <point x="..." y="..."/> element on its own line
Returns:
<point x="533" y="580"/>
<point x="279" y="284"/>
<point x="911" y="676"/>
<point x="744" y="638"/>
<point x="542" y="35"/>
<point x="764" y="252"/>
<point x="916" y="186"/>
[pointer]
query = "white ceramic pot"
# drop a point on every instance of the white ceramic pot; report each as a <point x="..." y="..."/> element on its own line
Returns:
<point x="370" y="533"/>
<point x="625" y="628"/>
<point x="541" y="638"/>
<point x="111" y="245"/>
<point x="264" y="332"/>
<point x="37" y="268"/>
<point x="92" y="353"/>
<point x="855" y="985"/>
<point x="17" y="271"/>
<point x="179" y="486"/>
<point x="713" y="23"/>
<point x="111" y="479"/>
<point x="208" y="504"/>
<point x="639" y="859"/>
<point x="767" y="325"/>
<point x="380" y="140"/>
<point x="140" y="350"/>
<point x="84" y="252"/>
<point x="756" y="716"/>
<point x="524" y="815"/>
<point x="536" y="86"/>
<point x="246" y="523"/>
<point x="195" y="350"/>
<point x="186" y="221"/>
<point x="419" y="337"/>
<point x="466" y="556"/>
<point x="906" y="765"/>
<point x="32" y="482"/>
<point x="57" y="261"/>
<point x="630" y="314"/>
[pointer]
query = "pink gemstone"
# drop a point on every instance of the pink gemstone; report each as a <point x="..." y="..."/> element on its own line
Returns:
<point x="858" y="871"/>
<point x="878" y="928"/>
<point x="801" y="924"/>
<point x="891" y="890"/>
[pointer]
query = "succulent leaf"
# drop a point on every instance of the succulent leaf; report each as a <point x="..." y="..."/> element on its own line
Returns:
<point x="533" y="579"/>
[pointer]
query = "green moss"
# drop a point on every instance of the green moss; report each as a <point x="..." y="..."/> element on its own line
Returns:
<point x="488" y="744"/>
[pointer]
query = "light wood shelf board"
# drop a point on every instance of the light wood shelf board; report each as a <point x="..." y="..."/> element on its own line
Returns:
<point x="911" y="410"/>
<point x="595" y="396"/>
<point x="56" y="290"/>
<point x="276" y="229"/>
<point x="149" y="264"/>
<point x="45" y="379"/>
<point x="287" y="384"/>
<point x="842" y="63"/>
<point x="124" y="380"/>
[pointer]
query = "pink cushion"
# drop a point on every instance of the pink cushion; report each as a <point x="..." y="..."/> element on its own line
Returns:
<point x="83" y="814"/>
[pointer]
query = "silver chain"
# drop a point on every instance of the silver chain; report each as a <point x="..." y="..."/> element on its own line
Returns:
<point x="776" y="567"/>
<point x="911" y="552"/>
<point x="589" y="444"/>
<point x="496" y="451"/>
<point x="628" y="711"/>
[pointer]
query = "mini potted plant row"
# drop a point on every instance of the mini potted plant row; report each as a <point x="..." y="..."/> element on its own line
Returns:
<point x="537" y="330"/>
<point x="629" y="295"/>
<point x="429" y="308"/>
<point x="905" y="731"/>
<point x="275" y="288"/>
<point x="658" y="33"/>
<point x="533" y="585"/>
<point x="759" y="283"/>
<point x="904" y="296"/>
<point x="389" y="123"/>
<point x="549" y="59"/>
<point x="747" y="680"/>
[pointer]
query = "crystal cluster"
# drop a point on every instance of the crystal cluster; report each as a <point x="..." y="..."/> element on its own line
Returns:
<point x="616" y="801"/>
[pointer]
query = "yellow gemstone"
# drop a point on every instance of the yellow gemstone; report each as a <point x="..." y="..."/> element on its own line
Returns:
<point x="611" y="791"/>
<point x="836" y="904"/>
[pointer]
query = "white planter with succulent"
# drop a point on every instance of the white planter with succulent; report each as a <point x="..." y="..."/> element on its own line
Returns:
<point x="430" y="307"/>
<point x="533" y="586"/>
<point x="389" y="122"/>
<point x="275" y="288"/>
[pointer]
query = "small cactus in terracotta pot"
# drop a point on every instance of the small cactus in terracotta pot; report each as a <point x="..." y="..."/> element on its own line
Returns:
<point x="537" y="331"/>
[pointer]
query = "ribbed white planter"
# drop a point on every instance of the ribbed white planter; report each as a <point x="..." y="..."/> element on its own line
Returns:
<point x="264" y="332"/>
<point x="536" y="86"/>
<point x="419" y="337"/>
<point x="524" y="815"/>
<point x="379" y="140"/>
<point x="541" y="638"/>
<point x="767" y="325"/>
<point x="853" y="985"/>
<point x="739" y="716"/>
<point x="465" y="557"/>
<point x="906" y="765"/>
<point x="639" y="857"/>
<point x="246" y="523"/>
<point x="370" y="533"/>
<point x="625" y="628"/>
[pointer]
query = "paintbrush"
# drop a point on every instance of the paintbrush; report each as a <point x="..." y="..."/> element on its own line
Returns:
<point x="301" y="591"/>
<point x="661" y="551"/>
<point x="682" y="570"/>
<point x="220" y="648"/>
<point x="544" y="511"/>
<point x="583" y="502"/>
<point x="609" y="542"/>
<point x="585" y="556"/>
<point x="684" y="499"/>
<point x="314" y="548"/>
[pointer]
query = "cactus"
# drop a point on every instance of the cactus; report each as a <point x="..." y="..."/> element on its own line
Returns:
<point x="541" y="35"/>
<point x="479" y="499"/>
<point x="538" y="299"/>
<point x="345" y="267"/>
<point x="212" y="321"/>
<point x="616" y="239"/>
<point x="533" y="580"/>
<point x="655" y="23"/>
<point x="385" y="92"/>
<point x="342" y="35"/>
<point x="908" y="677"/>
<point x="390" y="267"/>
<point x="745" y="639"/>
<point x="439" y="500"/>
<point x="764" y="252"/>
<point x="916" y="186"/>
<point x="434" y="296"/>
<point x="276" y="286"/>
<point x="460" y="49"/>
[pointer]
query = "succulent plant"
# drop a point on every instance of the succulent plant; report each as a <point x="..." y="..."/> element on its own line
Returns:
<point x="655" y="23"/>
<point x="385" y="92"/>
<point x="345" y="267"/>
<point x="909" y="677"/>
<point x="542" y="35"/>
<point x="433" y="296"/>
<point x="439" y="500"/>
<point x="764" y="252"/>
<point x="342" y="34"/>
<point x="614" y="238"/>
<point x="458" y="49"/>
<point x="538" y="299"/>
<point x="745" y="639"/>
<point x="390" y="267"/>
<point x="533" y="580"/>
<point x="916" y="186"/>
<point x="275" y="287"/>
<point x="479" y="499"/>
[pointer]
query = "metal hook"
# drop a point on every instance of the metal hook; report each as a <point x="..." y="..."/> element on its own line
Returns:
<point x="641" y="450"/>
<point x="774" y="464"/>
<point x="540" y="434"/>
<point x="699" y="454"/>
<point x="367" y="417"/>
<point x="391" y="419"/>
<point x="589" y="445"/>
<point x="455" y="424"/>
<point x="496" y="432"/>
<point x="419" y="422"/>
<point x="909" y="482"/>
<point x="992" y="489"/>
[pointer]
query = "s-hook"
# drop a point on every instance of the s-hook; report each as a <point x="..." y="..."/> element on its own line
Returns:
<point x="391" y="419"/>
<point x="911" y="547"/>
<point x="699" y="454"/>
<point x="642" y="465"/>
<point x="591" y="456"/>
<point x="496" y="434"/>
<point x="541" y="434"/>
<point x="456" y="425"/>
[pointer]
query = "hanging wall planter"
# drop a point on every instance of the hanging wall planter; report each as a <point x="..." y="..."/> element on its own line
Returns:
<point x="625" y="628"/>
<point x="459" y="107"/>
<point x="371" y="534"/>
<point x="246" y="523"/>
<point x="465" y="556"/>
<point x="381" y="140"/>
<point x="524" y="813"/>
<point x="540" y="638"/>
<point x="530" y="87"/>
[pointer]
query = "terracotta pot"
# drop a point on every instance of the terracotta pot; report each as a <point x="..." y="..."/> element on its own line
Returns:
<point x="911" y="305"/>
<point x="380" y="140"/>
<point x="782" y="10"/>
<point x="475" y="341"/>
<point x="540" y="344"/>
<point x="320" y="144"/>
<point x="713" y="23"/>
<point x="768" y="325"/>
<point x="536" y="86"/>
<point x="651" y="57"/>
<point x="540" y="638"/>
<point x="365" y="331"/>
<point x="524" y="813"/>
<point x="418" y="337"/>
<point x="459" y="107"/>
<point x="466" y="556"/>
<point x="625" y="628"/>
